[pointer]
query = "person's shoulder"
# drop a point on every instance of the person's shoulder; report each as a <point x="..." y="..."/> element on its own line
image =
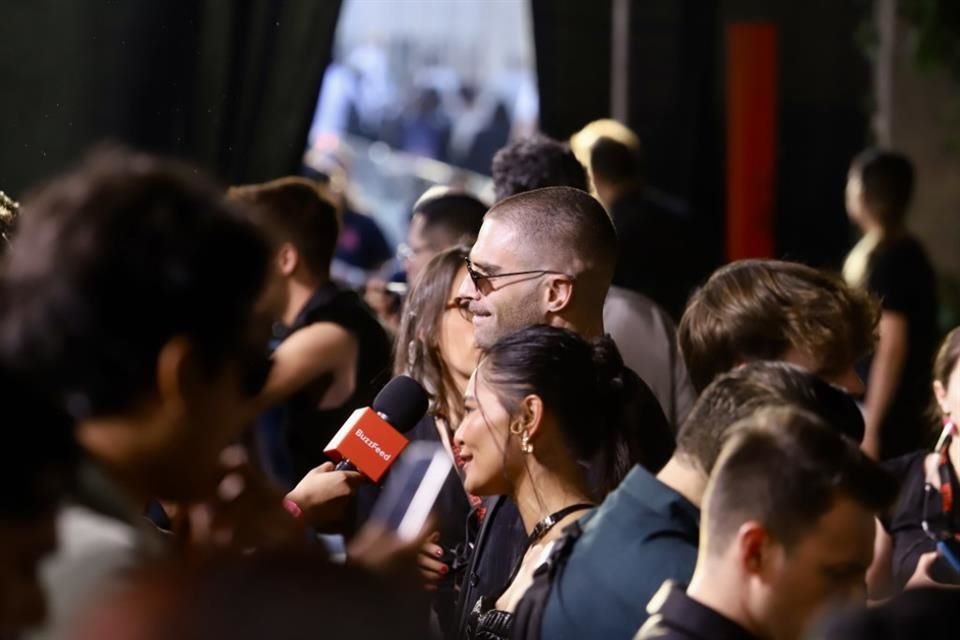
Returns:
<point x="641" y="514"/>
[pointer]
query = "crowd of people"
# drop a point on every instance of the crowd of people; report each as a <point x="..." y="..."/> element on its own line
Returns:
<point x="637" y="452"/>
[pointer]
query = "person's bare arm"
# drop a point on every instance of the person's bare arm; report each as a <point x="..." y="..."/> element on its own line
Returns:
<point x="310" y="352"/>
<point x="885" y="372"/>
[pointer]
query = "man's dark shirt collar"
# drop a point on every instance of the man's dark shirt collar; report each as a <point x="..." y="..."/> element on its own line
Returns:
<point x="674" y="614"/>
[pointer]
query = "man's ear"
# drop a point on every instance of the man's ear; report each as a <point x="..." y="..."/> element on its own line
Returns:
<point x="288" y="259"/>
<point x="175" y="372"/>
<point x="758" y="553"/>
<point x="559" y="293"/>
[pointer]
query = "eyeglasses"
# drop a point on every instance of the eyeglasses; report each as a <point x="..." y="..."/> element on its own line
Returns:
<point x="406" y="252"/>
<point x="462" y="305"/>
<point x="482" y="281"/>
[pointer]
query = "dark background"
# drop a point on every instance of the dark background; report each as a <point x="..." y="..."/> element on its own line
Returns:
<point x="232" y="86"/>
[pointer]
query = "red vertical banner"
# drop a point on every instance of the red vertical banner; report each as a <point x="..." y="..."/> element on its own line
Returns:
<point x="751" y="138"/>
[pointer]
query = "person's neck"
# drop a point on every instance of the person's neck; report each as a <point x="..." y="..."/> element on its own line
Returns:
<point x="105" y="441"/>
<point x="299" y="292"/>
<point x="720" y="589"/>
<point x="541" y="492"/>
<point x="610" y="193"/>
<point x="587" y="327"/>
<point x="684" y="479"/>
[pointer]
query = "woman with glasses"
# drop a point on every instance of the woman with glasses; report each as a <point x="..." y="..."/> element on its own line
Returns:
<point x="540" y="404"/>
<point x="435" y="347"/>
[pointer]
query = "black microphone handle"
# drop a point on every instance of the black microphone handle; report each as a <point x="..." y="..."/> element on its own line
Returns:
<point x="345" y="465"/>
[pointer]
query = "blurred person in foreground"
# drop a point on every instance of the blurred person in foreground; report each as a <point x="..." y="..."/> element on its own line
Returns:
<point x="659" y="255"/>
<point x="645" y="334"/>
<point x="890" y="263"/>
<point x="115" y="302"/>
<point x="788" y="530"/>
<point x="284" y="595"/>
<point x="37" y="463"/>
<point x="331" y="355"/>
<point x="547" y="257"/>
<point x="647" y="531"/>
<point x="160" y="364"/>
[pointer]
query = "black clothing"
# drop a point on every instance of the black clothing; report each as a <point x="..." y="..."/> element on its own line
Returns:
<point x="646" y="439"/>
<point x="309" y="429"/>
<point x="917" y="613"/>
<point x="676" y="616"/>
<point x="900" y="274"/>
<point x="488" y="623"/>
<point x="455" y="523"/>
<point x="656" y="254"/>
<point x="904" y="521"/>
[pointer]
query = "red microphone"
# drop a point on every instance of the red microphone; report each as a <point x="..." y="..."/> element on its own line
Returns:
<point x="372" y="438"/>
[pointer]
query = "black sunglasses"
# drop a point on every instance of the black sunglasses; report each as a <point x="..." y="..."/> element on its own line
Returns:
<point x="480" y="278"/>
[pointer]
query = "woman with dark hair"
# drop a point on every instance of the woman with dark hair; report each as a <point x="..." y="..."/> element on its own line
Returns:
<point x="891" y="264"/>
<point x="534" y="417"/>
<point x="435" y="347"/>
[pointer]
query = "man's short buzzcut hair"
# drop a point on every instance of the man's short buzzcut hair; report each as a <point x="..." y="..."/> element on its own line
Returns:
<point x="739" y="393"/>
<point x="534" y="163"/>
<point x="567" y="223"/>
<point x="455" y="215"/>
<point x="785" y="469"/>
<point x="759" y="309"/>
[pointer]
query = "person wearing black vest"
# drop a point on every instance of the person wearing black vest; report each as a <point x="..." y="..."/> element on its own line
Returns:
<point x="547" y="257"/>
<point x="333" y="355"/>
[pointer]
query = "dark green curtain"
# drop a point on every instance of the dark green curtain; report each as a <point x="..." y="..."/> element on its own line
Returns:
<point x="572" y="40"/>
<point x="228" y="84"/>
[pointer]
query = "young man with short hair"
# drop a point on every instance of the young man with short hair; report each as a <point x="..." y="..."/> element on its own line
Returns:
<point x="788" y="533"/>
<point x="333" y="355"/>
<point x="775" y="310"/>
<point x="129" y="296"/>
<point x="653" y="521"/>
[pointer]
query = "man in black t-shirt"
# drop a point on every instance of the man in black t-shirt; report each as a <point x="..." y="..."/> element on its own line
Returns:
<point x="658" y="253"/>
<point x="890" y="263"/>
<point x="333" y="354"/>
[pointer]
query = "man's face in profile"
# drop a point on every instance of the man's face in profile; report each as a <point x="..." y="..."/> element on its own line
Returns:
<point x="502" y="305"/>
<point x="825" y="568"/>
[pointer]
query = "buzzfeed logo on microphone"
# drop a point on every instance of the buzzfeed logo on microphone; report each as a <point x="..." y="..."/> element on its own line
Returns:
<point x="373" y="445"/>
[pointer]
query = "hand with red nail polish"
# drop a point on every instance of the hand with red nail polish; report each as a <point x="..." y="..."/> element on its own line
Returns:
<point x="432" y="568"/>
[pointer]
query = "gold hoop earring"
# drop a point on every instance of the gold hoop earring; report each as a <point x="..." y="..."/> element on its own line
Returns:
<point x="515" y="428"/>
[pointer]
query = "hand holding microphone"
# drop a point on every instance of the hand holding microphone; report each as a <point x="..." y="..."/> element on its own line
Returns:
<point x="324" y="493"/>
<point x="372" y="438"/>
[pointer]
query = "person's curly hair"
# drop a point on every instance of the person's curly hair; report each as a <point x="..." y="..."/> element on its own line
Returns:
<point x="536" y="162"/>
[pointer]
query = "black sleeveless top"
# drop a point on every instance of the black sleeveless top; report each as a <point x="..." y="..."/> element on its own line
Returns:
<point x="309" y="429"/>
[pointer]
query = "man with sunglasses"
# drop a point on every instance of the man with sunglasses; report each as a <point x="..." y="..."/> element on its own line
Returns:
<point x="547" y="256"/>
<point x="130" y="290"/>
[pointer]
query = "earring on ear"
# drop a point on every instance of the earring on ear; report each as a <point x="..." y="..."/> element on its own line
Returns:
<point x="525" y="445"/>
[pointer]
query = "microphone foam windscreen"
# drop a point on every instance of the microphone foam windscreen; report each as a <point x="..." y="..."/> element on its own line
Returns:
<point x="404" y="401"/>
